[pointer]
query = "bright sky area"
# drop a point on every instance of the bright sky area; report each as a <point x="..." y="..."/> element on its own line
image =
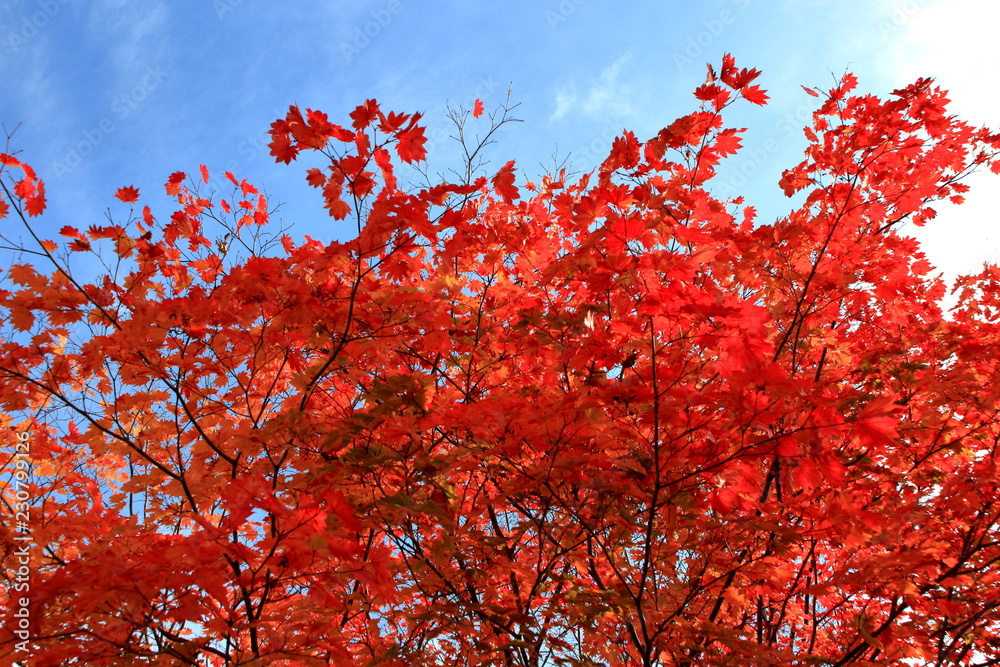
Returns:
<point x="112" y="93"/>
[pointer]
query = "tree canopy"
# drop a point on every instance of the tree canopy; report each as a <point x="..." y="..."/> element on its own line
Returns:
<point x="605" y="419"/>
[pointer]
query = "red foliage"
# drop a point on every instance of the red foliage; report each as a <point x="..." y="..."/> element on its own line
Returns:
<point x="128" y="194"/>
<point x="614" y="422"/>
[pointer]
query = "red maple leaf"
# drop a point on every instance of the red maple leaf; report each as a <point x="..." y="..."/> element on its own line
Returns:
<point x="478" y="108"/>
<point x="282" y="147"/>
<point x="128" y="194"/>
<point x="728" y="142"/>
<point x="713" y="93"/>
<point x="35" y="204"/>
<point x="503" y="183"/>
<point x="315" y="177"/>
<point x="364" y="114"/>
<point x="410" y="144"/>
<point x="754" y="94"/>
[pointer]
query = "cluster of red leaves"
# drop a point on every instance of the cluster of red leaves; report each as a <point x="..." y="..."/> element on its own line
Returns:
<point x="614" y="422"/>
<point x="28" y="192"/>
<point x="352" y="171"/>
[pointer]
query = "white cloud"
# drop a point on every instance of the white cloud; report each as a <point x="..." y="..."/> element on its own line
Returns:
<point x="566" y="100"/>
<point x="606" y="95"/>
<point x="953" y="41"/>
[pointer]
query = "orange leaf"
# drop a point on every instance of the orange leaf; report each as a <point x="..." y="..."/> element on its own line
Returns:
<point x="173" y="184"/>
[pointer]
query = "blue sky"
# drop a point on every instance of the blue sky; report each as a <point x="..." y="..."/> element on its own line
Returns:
<point x="111" y="93"/>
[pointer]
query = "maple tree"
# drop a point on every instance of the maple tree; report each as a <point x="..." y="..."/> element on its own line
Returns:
<point x="609" y="420"/>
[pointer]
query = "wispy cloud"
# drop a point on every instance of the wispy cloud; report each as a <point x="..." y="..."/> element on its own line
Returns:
<point x="566" y="100"/>
<point x="606" y="96"/>
<point x="131" y="33"/>
<point x="33" y="87"/>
